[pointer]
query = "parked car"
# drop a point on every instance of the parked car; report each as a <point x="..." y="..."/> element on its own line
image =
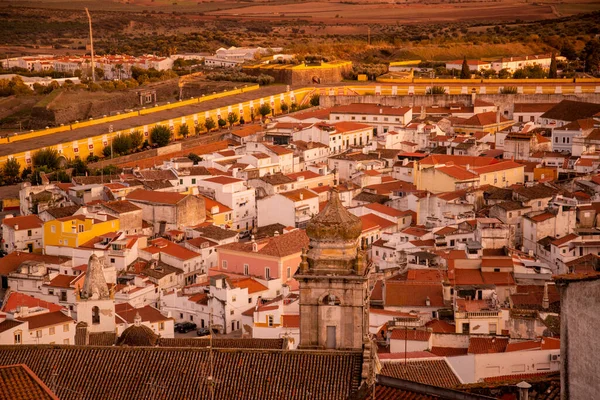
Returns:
<point x="203" y="331"/>
<point x="185" y="327"/>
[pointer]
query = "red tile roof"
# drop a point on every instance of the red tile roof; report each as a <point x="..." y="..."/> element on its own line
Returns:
<point x="347" y="126"/>
<point x="278" y="246"/>
<point x="517" y="377"/>
<point x="162" y="245"/>
<point x="411" y="294"/>
<point x="438" y="326"/>
<point x="429" y="372"/>
<point x="501" y="166"/>
<point x="150" y="196"/>
<point x="18" y="382"/>
<point x="223" y="180"/>
<point x="457" y="172"/>
<point x="47" y="319"/>
<point x="23" y="222"/>
<point x="449" y="351"/>
<point x="486" y="345"/>
<point x="11" y="262"/>
<point x="410" y="334"/>
<point x="16" y="300"/>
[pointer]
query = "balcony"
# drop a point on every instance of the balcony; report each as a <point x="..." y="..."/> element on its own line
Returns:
<point x="477" y="314"/>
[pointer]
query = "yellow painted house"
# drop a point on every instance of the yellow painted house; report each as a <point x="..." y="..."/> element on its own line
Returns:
<point x="76" y="230"/>
<point x="444" y="173"/>
<point x="220" y="214"/>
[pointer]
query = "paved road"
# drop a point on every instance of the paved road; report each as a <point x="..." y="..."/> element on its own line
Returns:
<point x="128" y="123"/>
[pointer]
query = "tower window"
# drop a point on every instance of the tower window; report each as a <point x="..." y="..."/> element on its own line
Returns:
<point x="331" y="300"/>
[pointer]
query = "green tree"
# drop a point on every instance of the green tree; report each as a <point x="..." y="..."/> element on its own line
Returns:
<point x="62" y="176"/>
<point x="553" y="73"/>
<point x="121" y="144"/>
<point x="48" y="158"/>
<point x="222" y="123"/>
<point x="284" y="107"/>
<point x="465" y="72"/>
<point x="264" y="110"/>
<point x="209" y="124"/>
<point x="195" y="158"/>
<point x="315" y="100"/>
<point x="504" y="74"/>
<point x="79" y="167"/>
<point x="232" y="118"/>
<point x="591" y="56"/>
<point x="11" y="170"/>
<point x="136" y="138"/>
<point x="184" y="130"/>
<point x="160" y="135"/>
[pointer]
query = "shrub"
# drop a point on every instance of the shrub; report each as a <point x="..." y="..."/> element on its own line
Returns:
<point x="232" y="118"/>
<point x="160" y="135"/>
<point x="184" y="130"/>
<point x="436" y="90"/>
<point x="315" y="99"/>
<point x="79" y="167"/>
<point x="222" y="123"/>
<point x="48" y="158"/>
<point x="284" y="107"/>
<point x="10" y="171"/>
<point x="265" y="80"/>
<point x="121" y="144"/>
<point x="509" y="90"/>
<point x="137" y="139"/>
<point x="264" y="110"/>
<point x="209" y="124"/>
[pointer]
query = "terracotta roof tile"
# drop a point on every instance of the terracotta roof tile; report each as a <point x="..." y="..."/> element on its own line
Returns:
<point x="47" y="319"/>
<point x="449" y="351"/>
<point x="23" y="222"/>
<point x="486" y="345"/>
<point x="429" y="372"/>
<point x="411" y="334"/>
<point x="16" y="300"/>
<point x="150" y="196"/>
<point x="183" y="373"/>
<point x="18" y="382"/>
<point x="410" y="294"/>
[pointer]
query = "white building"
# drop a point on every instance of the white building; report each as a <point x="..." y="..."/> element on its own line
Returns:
<point x="234" y="193"/>
<point x="293" y="208"/>
<point x="22" y="233"/>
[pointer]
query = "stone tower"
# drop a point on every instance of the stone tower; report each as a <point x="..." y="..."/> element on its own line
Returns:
<point x="333" y="279"/>
<point x="95" y="303"/>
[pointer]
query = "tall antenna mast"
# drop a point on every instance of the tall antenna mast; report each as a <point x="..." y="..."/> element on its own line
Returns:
<point x="91" y="45"/>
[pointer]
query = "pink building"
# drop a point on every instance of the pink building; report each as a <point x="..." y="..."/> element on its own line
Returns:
<point x="271" y="258"/>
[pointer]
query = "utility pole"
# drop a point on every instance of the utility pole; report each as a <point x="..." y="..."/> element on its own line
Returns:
<point x="91" y="46"/>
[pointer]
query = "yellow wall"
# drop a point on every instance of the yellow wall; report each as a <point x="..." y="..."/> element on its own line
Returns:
<point x="64" y="231"/>
<point x="432" y="180"/>
<point x="511" y="176"/>
<point x="99" y="142"/>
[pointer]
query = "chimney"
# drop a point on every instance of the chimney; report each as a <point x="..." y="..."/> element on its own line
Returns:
<point x="546" y="299"/>
<point x="427" y="301"/>
<point x="276" y="234"/>
<point x="16" y="227"/>
<point x="301" y="196"/>
<point x="473" y="96"/>
<point x="381" y="111"/>
<point x="523" y="390"/>
<point x="23" y="311"/>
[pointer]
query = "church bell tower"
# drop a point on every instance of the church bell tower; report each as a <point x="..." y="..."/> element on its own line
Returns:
<point x="333" y="279"/>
